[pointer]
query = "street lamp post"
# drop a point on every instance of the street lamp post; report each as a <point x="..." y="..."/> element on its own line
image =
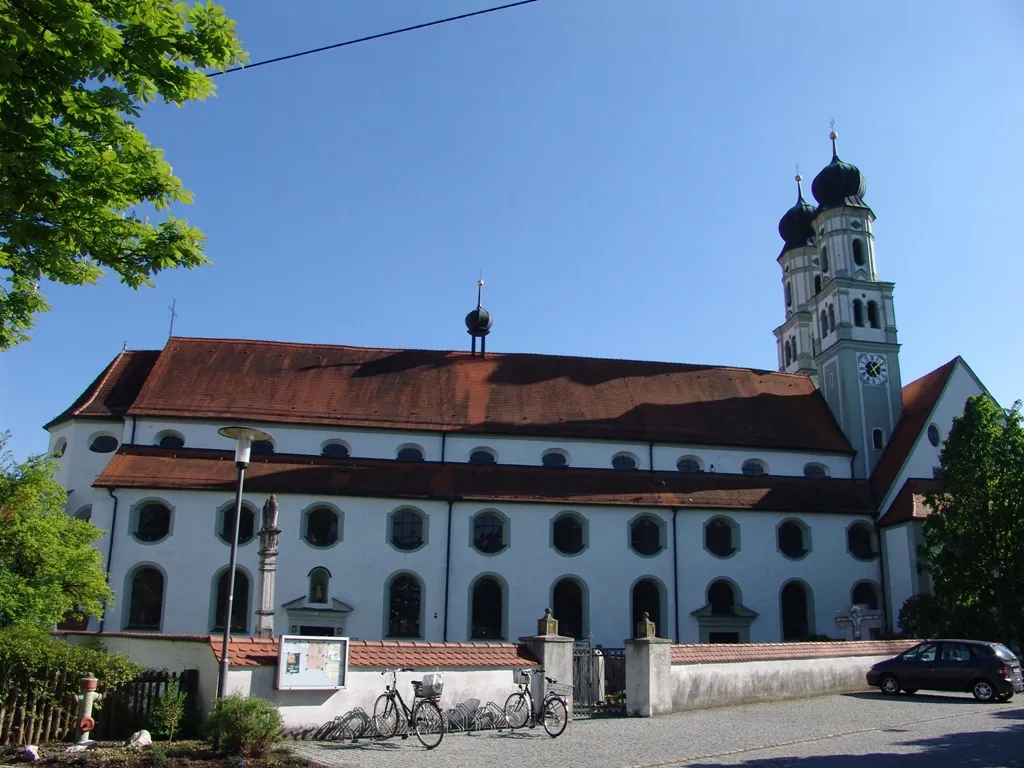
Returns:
<point x="244" y="437"/>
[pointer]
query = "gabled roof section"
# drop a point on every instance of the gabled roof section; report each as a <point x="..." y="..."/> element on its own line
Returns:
<point x="910" y="503"/>
<point x="919" y="400"/>
<point x="151" y="467"/>
<point x="503" y="393"/>
<point x="114" y="390"/>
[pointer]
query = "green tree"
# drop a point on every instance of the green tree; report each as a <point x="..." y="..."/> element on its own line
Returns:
<point x="977" y="527"/>
<point x="48" y="565"/>
<point x="168" y="711"/>
<point x="74" y="169"/>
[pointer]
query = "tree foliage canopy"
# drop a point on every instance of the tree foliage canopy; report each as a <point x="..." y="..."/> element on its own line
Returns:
<point x="73" y="166"/>
<point x="48" y="565"/>
<point x="977" y="528"/>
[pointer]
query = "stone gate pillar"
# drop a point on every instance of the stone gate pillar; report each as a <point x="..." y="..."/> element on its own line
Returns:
<point x="554" y="653"/>
<point x="648" y="672"/>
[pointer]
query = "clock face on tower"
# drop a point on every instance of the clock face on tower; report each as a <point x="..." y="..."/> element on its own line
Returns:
<point x="873" y="369"/>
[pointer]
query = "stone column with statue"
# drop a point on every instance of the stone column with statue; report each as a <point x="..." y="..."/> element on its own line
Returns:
<point x="269" y="537"/>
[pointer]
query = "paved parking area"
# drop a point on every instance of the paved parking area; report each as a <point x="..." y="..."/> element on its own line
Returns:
<point x="864" y="730"/>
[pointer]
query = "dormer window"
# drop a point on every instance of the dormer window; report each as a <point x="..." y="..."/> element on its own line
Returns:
<point x="409" y="453"/>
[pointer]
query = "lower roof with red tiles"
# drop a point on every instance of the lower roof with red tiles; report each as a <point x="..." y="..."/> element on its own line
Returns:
<point x="725" y="653"/>
<point x="524" y="394"/>
<point x="911" y="502"/>
<point x="156" y="468"/>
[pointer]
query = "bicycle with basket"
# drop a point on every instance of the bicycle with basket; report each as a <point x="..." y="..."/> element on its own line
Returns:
<point x="553" y="713"/>
<point x="424" y="718"/>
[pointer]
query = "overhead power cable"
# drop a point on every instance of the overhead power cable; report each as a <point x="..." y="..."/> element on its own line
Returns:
<point x="372" y="37"/>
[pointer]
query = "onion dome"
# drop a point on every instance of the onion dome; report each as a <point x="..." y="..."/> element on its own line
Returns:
<point x="795" y="225"/>
<point x="839" y="183"/>
<point x="479" y="321"/>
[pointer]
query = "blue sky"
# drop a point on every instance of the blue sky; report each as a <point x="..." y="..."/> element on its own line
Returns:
<point x="615" y="169"/>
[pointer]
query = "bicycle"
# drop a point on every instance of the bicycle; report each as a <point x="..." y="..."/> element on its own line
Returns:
<point x="519" y="709"/>
<point x="424" y="719"/>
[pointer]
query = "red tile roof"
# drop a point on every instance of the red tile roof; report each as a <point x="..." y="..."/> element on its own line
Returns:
<point x="424" y="655"/>
<point x="505" y="393"/>
<point x="919" y="398"/>
<point x="192" y="469"/>
<point x="114" y="390"/>
<point x="910" y="503"/>
<point x="724" y="653"/>
<point x="246" y="651"/>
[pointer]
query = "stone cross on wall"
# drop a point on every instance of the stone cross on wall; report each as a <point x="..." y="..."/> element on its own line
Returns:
<point x="269" y="534"/>
<point x="858" y="619"/>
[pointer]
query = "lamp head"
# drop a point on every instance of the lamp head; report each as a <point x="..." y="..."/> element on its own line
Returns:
<point x="244" y="437"/>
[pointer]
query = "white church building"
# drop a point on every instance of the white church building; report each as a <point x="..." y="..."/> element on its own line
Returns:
<point x="453" y="496"/>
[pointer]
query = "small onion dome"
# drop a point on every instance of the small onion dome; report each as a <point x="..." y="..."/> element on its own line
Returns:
<point x="795" y="225"/>
<point x="479" y="321"/>
<point x="839" y="183"/>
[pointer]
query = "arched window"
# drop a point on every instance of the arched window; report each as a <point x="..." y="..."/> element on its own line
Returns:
<point x="262" y="448"/>
<point x="409" y="453"/>
<point x="482" y="457"/>
<point x="568" y="534"/>
<point x="567" y="605"/>
<point x="792" y="539"/>
<point x="858" y="313"/>
<point x="754" y="468"/>
<point x="488" y="610"/>
<point x="831" y="318"/>
<point x="824" y="324"/>
<point x="815" y="471"/>
<point x="85" y="513"/>
<point x="239" y="606"/>
<point x="873" y="315"/>
<point x="647" y="599"/>
<point x="796" y="624"/>
<point x="321" y="526"/>
<point x="60" y="448"/>
<point x="170" y="440"/>
<point x="789" y="354"/>
<point x="623" y="462"/>
<point x="227" y="524"/>
<point x="152" y="522"/>
<point x="864" y="593"/>
<point x="489" y="533"/>
<point x="319" y="585"/>
<point x="145" y="607"/>
<point x="555" y="459"/>
<point x="719" y="536"/>
<point x="407" y="529"/>
<point x="645" y="535"/>
<point x="860" y="541"/>
<point x="789" y="294"/>
<point x="721" y="598"/>
<point x="933" y="435"/>
<point x="405" y="597"/>
<point x="817" y="284"/>
<point x="792" y="343"/>
<point x="877" y="439"/>
<point x="689" y="465"/>
<point x="824" y="258"/>
<point x="103" y="444"/>
<point x="335" y="450"/>
<point x="858" y="252"/>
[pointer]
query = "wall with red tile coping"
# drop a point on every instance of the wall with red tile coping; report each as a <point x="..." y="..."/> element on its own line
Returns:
<point x="724" y="653"/>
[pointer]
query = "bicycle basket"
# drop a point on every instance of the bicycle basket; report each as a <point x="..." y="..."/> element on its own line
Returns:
<point x="433" y="683"/>
<point x="521" y="677"/>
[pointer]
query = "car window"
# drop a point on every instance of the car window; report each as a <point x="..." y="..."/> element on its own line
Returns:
<point x="957" y="652"/>
<point x="1004" y="653"/>
<point x="925" y="652"/>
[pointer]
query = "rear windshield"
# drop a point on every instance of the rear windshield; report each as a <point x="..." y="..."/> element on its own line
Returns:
<point x="1003" y="652"/>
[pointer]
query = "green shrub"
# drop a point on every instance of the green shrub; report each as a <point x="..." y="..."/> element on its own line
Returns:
<point x="246" y="727"/>
<point x="168" y="711"/>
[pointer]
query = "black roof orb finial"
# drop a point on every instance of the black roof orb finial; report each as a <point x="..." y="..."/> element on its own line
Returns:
<point x="795" y="225"/>
<point x="479" y="321"/>
<point x="839" y="183"/>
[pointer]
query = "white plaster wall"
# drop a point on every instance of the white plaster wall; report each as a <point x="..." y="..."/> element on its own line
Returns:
<point x="702" y="686"/>
<point x="528" y="450"/>
<point x="900" y="559"/>
<point x="924" y="455"/>
<point x="730" y="460"/>
<point x="79" y="467"/>
<point x="760" y="570"/>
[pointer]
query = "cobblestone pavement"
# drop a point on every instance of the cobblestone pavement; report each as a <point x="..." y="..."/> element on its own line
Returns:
<point x="865" y="730"/>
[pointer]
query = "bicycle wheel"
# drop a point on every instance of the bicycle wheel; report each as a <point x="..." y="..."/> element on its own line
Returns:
<point x="385" y="717"/>
<point x="517" y="710"/>
<point x="428" y="723"/>
<point x="556" y="716"/>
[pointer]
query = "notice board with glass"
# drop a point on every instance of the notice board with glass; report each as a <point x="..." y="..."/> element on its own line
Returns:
<point x="312" y="663"/>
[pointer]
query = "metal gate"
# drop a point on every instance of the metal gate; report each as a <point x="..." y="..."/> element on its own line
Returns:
<point x="598" y="680"/>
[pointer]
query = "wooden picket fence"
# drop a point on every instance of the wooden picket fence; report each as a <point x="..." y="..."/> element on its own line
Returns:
<point x="28" y="718"/>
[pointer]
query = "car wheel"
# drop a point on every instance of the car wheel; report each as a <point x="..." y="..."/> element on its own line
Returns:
<point x="910" y="691"/>
<point x="890" y="685"/>
<point x="983" y="690"/>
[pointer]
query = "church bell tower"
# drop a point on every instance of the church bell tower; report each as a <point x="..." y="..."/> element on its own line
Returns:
<point x="840" y="325"/>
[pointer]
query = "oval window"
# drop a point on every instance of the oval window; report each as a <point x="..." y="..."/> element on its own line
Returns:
<point x="172" y="441"/>
<point x="335" y="451"/>
<point x="103" y="444"/>
<point x="933" y="435"/>
<point x="410" y="453"/>
<point x="623" y="462"/>
<point x="482" y="457"/>
<point x="262" y="448"/>
<point x="554" y="459"/>
<point x="815" y="471"/>
<point x="688" y="465"/>
<point x="568" y="535"/>
<point x="754" y="468"/>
